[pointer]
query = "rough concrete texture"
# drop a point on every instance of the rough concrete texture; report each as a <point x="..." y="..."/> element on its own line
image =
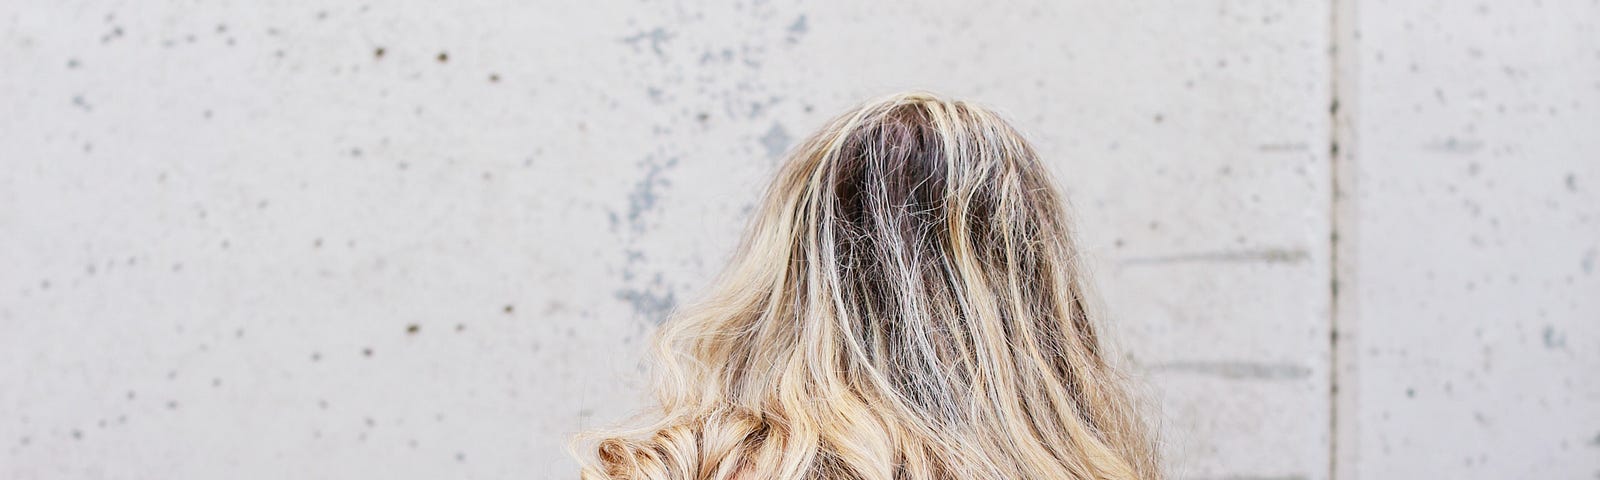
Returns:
<point x="425" y="240"/>
<point x="1470" y="291"/>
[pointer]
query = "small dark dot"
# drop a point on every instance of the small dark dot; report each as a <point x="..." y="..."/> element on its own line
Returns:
<point x="378" y="52"/>
<point x="494" y="78"/>
<point x="461" y="327"/>
<point x="510" y="309"/>
<point x="77" y="435"/>
<point x="1411" y="393"/>
<point x="172" y="404"/>
<point x="1159" y="118"/>
<point x="315" y="356"/>
<point x="443" y="57"/>
<point x="366" y="352"/>
<point x="412" y="329"/>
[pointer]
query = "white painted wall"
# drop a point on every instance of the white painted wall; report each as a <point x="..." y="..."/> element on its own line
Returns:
<point x="419" y="240"/>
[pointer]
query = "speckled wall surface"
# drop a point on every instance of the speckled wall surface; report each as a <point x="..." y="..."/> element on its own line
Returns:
<point x="427" y="240"/>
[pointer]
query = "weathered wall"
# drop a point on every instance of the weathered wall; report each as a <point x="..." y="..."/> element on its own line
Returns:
<point x="1470" y="241"/>
<point x="413" y="240"/>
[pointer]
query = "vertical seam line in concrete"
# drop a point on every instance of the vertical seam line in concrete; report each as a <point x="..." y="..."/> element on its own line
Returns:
<point x="1334" y="55"/>
<point x="1343" y="55"/>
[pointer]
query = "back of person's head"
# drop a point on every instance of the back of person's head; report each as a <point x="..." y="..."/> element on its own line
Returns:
<point x="907" y="304"/>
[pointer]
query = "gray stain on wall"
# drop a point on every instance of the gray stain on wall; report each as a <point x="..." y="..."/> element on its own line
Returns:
<point x="1265" y="255"/>
<point x="1236" y="370"/>
<point x="653" y="306"/>
<point x="643" y="196"/>
<point x="776" y="140"/>
<point x="654" y="37"/>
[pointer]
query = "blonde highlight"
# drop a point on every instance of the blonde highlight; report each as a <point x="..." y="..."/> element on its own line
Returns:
<point x="907" y="304"/>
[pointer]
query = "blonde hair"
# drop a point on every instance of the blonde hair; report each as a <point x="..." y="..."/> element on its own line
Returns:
<point x="907" y="304"/>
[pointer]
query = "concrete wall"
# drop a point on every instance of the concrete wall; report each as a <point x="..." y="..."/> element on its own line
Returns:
<point x="412" y="240"/>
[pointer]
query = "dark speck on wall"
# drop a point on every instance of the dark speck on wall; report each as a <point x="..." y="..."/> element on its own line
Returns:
<point x="412" y="329"/>
<point x="378" y="52"/>
<point x="509" y="309"/>
<point x="366" y="352"/>
<point x="494" y="78"/>
<point x="1553" y="339"/>
<point x="443" y="57"/>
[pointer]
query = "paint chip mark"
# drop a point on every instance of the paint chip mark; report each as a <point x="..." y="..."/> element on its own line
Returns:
<point x="1237" y="370"/>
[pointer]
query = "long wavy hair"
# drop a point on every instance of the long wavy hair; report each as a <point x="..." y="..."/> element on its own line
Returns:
<point x="907" y="304"/>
